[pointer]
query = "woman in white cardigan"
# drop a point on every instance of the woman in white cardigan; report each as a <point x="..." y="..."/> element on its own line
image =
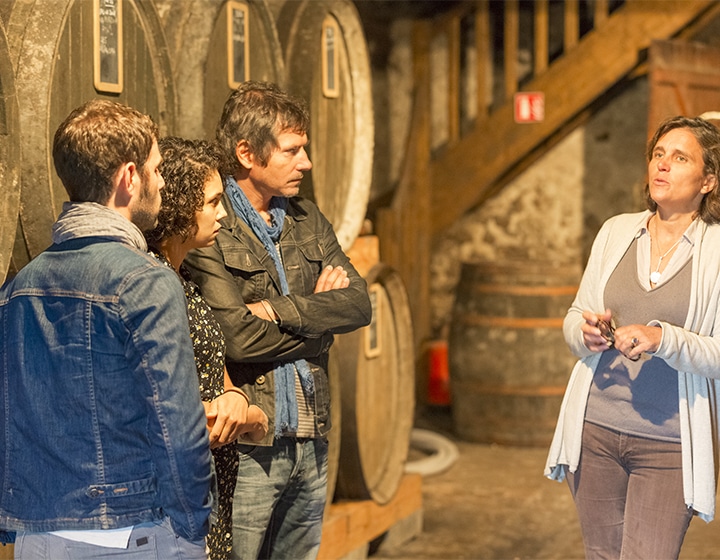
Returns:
<point x="637" y="432"/>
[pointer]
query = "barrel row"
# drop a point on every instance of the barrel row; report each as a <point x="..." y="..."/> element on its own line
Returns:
<point x="177" y="61"/>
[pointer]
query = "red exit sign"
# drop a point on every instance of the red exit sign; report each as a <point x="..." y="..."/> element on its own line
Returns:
<point x="529" y="107"/>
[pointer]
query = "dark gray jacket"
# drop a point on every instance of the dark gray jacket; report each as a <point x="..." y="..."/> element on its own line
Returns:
<point x="237" y="270"/>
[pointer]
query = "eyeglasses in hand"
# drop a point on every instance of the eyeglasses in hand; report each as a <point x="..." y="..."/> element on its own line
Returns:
<point x="607" y="331"/>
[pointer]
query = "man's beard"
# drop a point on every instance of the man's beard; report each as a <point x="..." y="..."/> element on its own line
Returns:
<point x="145" y="213"/>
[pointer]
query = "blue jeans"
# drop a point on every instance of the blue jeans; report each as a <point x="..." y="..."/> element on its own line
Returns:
<point x="280" y="499"/>
<point x="148" y="541"/>
<point x="628" y="491"/>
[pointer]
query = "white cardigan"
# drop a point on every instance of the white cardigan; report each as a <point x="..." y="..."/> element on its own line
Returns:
<point x="694" y="351"/>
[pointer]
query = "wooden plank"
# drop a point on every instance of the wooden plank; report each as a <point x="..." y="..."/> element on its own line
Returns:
<point x="349" y="525"/>
<point x="684" y="80"/>
<point x="454" y="88"/>
<point x="467" y="172"/>
<point x="484" y="59"/>
<point x="403" y="228"/>
<point x="512" y="33"/>
<point x="600" y="13"/>
<point x="698" y="25"/>
<point x="541" y="36"/>
<point x="572" y="25"/>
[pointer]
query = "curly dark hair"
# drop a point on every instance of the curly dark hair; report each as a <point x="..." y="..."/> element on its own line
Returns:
<point x="257" y="112"/>
<point x="708" y="136"/>
<point x="186" y="167"/>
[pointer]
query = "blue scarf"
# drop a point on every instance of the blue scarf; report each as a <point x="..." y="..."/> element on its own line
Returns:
<point x="286" y="408"/>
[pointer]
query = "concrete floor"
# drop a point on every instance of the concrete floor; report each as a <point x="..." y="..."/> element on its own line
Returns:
<point x="494" y="503"/>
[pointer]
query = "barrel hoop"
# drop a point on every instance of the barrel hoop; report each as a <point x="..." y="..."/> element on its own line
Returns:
<point x="478" y="388"/>
<point x="514" y="290"/>
<point x="476" y="320"/>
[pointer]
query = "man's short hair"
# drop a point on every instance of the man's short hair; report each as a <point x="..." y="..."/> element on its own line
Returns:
<point x="94" y="141"/>
<point x="258" y="112"/>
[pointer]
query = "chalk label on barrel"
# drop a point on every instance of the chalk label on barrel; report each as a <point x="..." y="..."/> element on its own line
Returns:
<point x="238" y="43"/>
<point x="108" y="43"/>
<point x="330" y="63"/>
<point x="373" y="332"/>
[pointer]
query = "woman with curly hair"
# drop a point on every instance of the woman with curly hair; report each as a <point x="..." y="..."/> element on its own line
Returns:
<point x="189" y="218"/>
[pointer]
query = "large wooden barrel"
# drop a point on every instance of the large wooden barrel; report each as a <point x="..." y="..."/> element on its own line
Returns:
<point x="52" y="45"/>
<point x="377" y="374"/>
<point x="9" y="157"/>
<point x="508" y="359"/>
<point x="327" y="64"/>
<point x="214" y="46"/>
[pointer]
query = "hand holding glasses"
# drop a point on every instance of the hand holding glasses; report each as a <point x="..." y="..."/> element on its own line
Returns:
<point x="608" y="333"/>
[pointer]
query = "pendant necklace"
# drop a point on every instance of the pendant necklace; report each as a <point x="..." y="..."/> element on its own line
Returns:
<point x="656" y="274"/>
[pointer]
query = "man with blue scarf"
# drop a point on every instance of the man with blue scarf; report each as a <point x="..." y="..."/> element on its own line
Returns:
<point x="281" y="287"/>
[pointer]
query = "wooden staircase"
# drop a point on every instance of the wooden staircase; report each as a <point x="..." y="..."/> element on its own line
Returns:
<point x="478" y="156"/>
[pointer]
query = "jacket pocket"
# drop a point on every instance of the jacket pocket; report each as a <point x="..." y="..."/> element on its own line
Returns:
<point x="242" y="259"/>
<point x="312" y="250"/>
<point x="250" y="274"/>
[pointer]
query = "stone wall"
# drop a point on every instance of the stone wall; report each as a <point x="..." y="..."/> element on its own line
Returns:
<point x="548" y="213"/>
<point x="552" y="211"/>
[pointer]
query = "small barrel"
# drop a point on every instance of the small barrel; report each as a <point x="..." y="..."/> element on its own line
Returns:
<point x="377" y="372"/>
<point x="55" y="43"/>
<point x="509" y="363"/>
<point x="327" y="64"/>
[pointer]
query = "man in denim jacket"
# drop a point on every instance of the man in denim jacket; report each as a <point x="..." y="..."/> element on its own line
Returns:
<point x="104" y="449"/>
<point x="280" y="286"/>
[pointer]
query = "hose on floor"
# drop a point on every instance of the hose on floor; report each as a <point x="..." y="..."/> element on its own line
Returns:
<point x="443" y="453"/>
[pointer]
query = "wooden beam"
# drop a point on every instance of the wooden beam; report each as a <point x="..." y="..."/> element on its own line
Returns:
<point x="512" y="25"/>
<point x="541" y="20"/>
<point x="484" y="65"/>
<point x="600" y="14"/>
<point x="350" y="525"/>
<point x="687" y="33"/>
<point x="700" y="23"/>
<point x="453" y="37"/>
<point x="572" y="25"/>
<point x="464" y="175"/>
<point x="403" y="227"/>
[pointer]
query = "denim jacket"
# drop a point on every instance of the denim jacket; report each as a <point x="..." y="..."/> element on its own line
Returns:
<point x="101" y="420"/>
<point x="237" y="270"/>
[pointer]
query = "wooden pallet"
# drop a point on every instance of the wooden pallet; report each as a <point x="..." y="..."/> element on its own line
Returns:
<point x="351" y="525"/>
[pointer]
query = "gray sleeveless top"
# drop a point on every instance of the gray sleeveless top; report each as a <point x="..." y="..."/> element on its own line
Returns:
<point x="640" y="398"/>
